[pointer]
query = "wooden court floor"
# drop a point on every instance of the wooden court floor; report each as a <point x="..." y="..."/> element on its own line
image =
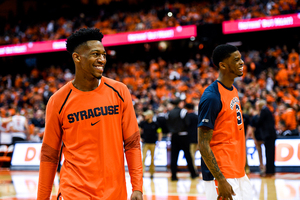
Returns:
<point x="22" y="185"/>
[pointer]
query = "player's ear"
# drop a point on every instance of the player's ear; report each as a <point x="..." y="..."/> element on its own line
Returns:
<point x="222" y="65"/>
<point x="76" y="57"/>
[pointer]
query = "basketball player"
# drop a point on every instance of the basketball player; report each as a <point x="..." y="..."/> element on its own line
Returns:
<point x="94" y="117"/>
<point x="221" y="131"/>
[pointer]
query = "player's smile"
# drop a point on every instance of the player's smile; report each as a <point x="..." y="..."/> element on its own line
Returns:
<point x="99" y="68"/>
<point x="241" y="68"/>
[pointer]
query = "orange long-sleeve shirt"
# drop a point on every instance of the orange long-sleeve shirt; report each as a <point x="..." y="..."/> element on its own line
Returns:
<point x="95" y="127"/>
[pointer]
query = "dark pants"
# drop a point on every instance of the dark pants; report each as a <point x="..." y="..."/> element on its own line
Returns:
<point x="270" y="156"/>
<point x="180" y="143"/>
<point x="17" y="139"/>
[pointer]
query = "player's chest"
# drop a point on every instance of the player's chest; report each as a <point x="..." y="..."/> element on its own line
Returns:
<point x="90" y="110"/>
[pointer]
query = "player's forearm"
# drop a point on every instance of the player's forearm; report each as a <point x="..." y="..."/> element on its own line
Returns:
<point x="135" y="168"/>
<point x="210" y="161"/>
<point x="46" y="177"/>
<point x="205" y="136"/>
<point x="48" y="166"/>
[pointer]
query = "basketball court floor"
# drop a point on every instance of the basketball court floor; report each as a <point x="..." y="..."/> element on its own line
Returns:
<point x="22" y="185"/>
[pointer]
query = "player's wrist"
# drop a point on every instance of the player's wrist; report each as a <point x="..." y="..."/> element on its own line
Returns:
<point x="221" y="180"/>
<point x="138" y="191"/>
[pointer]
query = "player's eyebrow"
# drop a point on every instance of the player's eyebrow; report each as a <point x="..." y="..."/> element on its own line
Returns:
<point x="97" y="50"/>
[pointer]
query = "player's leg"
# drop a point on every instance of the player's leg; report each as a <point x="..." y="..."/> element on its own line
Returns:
<point x="242" y="188"/>
<point x="210" y="190"/>
<point x="245" y="188"/>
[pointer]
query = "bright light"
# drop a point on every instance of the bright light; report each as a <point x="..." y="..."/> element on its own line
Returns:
<point x="162" y="45"/>
<point x="170" y="14"/>
<point x="192" y="38"/>
<point x="113" y="52"/>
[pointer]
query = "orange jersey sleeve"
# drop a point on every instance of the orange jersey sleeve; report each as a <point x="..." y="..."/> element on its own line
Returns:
<point x="131" y="137"/>
<point x="50" y="149"/>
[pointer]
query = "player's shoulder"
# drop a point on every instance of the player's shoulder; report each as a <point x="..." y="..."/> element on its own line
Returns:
<point x="113" y="83"/>
<point x="61" y="93"/>
<point x="212" y="87"/>
<point x="211" y="91"/>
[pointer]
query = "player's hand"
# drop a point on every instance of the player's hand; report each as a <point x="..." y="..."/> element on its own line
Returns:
<point x="136" y="195"/>
<point x="225" y="190"/>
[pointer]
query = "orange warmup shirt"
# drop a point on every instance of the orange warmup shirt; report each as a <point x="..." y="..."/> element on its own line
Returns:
<point x="96" y="127"/>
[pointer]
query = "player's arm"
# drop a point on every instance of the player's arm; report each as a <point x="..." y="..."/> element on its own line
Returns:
<point x="49" y="151"/>
<point x="205" y="135"/>
<point x="131" y="137"/>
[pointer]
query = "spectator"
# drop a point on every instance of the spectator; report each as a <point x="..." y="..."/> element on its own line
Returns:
<point x="35" y="136"/>
<point x="192" y="131"/>
<point x="257" y="137"/>
<point x="266" y="122"/>
<point x="161" y="119"/>
<point x="288" y="120"/>
<point x="177" y="124"/>
<point x="18" y="127"/>
<point x="151" y="133"/>
<point x="39" y="119"/>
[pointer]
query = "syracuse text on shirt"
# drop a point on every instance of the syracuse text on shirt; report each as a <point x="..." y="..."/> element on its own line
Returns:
<point x="234" y="101"/>
<point x="93" y="112"/>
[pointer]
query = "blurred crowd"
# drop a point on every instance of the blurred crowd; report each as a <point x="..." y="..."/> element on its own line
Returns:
<point x="273" y="75"/>
<point x="165" y="15"/>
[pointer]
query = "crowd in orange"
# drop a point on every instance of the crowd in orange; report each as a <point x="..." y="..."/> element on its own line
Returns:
<point x="154" y="84"/>
<point x="273" y="75"/>
<point x="173" y="14"/>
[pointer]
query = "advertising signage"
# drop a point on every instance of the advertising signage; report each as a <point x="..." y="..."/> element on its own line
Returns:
<point x="261" y="24"/>
<point x="179" y="32"/>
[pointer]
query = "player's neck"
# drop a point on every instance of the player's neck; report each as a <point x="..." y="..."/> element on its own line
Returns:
<point x="227" y="82"/>
<point x="85" y="85"/>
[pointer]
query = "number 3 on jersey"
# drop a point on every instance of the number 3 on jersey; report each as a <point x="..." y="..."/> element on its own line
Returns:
<point x="238" y="114"/>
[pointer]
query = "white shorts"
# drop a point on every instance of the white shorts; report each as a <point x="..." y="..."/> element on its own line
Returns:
<point x="241" y="187"/>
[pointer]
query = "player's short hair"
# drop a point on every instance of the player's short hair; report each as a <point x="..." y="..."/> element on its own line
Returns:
<point x="221" y="52"/>
<point x="81" y="36"/>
